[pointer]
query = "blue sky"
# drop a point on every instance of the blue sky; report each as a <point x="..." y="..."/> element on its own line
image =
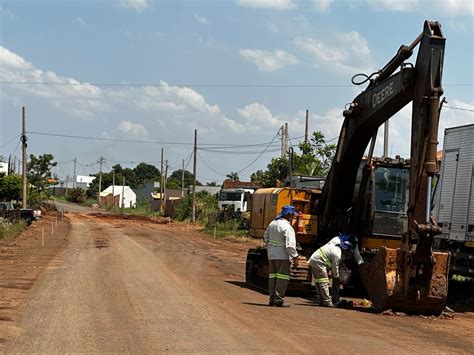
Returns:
<point x="190" y="52"/>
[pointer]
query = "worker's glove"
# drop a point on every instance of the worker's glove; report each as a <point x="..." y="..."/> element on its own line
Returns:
<point x="336" y="283"/>
<point x="357" y="256"/>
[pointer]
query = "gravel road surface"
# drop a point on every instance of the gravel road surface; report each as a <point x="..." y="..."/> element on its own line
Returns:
<point x="135" y="286"/>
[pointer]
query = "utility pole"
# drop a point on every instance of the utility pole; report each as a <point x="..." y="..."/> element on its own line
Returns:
<point x="23" y="150"/>
<point x="282" y="130"/>
<point x="113" y="187"/>
<point x="385" y="139"/>
<point x="101" y="161"/>
<point x="162" y="192"/>
<point x="182" y="180"/>
<point x="286" y="139"/>
<point x="306" y="127"/>
<point x="74" y="175"/>
<point x="67" y="183"/>
<point x="193" y="219"/>
<point x="123" y="192"/>
<point x="164" y="185"/>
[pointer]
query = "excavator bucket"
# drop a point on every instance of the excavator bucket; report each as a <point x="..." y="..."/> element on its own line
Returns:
<point x="392" y="283"/>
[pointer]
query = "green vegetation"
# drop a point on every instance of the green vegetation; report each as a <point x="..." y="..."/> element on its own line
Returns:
<point x="76" y="195"/>
<point x="137" y="176"/>
<point x="175" y="179"/>
<point x="10" y="187"/>
<point x="206" y="206"/>
<point x="314" y="160"/>
<point x="10" y="230"/>
<point x="226" y="229"/>
<point x="40" y="176"/>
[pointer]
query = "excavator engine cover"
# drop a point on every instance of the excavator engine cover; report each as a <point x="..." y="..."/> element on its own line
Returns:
<point x="392" y="283"/>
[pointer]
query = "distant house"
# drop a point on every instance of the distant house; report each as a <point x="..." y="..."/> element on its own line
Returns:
<point x="172" y="198"/>
<point x="84" y="181"/>
<point x="144" y="192"/>
<point x="112" y="195"/>
<point x="212" y="190"/>
<point x="231" y="184"/>
<point x="3" y="168"/>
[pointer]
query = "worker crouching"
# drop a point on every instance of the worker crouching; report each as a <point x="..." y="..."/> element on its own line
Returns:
<point x="280" y="241"/>
<point x="329" y="257"/>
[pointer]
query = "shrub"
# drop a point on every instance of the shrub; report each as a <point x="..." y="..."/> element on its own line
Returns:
<point x="76" y="195"/>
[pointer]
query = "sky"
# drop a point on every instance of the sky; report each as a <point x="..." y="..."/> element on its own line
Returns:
<point x="135" y="76"/>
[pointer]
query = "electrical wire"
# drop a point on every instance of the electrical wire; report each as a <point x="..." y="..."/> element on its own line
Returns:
<point x="211" y="85"/>
<point x="460" y="108"/>
<point x="258" y="157"/>
<point x="9" y="141"/>
<point x="215" y="145"/>
<point x="214" y="171"/>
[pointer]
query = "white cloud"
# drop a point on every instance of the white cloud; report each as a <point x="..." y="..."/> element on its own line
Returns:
<point x="268" y="4"/>
<point x="456" y="113"/>
<point x="179" y="107"/>
<point x="67" y="94"/>
<point x="258" y="118"/>
<point x="135" y="129"/>
<point x="201" y="19"/>
<point x="6" y="13"/>
<point x="449" y="8"/>
<point x="137" y="5"/>
<point x="268" y="60"/>
<point x="322" y="6"/>
<point x="81" y="21"/>
<point x="344" y="53"/>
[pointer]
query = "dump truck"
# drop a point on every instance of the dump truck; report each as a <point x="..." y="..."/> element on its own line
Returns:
<point x="454" y="203"/>
<point x="386" y="203"/>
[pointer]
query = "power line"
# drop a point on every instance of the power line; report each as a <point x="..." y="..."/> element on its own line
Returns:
<point x="460" y="108"/>
<point x="245" y="152"/>
<point x="214" y="145"/>
<point x="214" y="171"/>
<point x="258" y="157"/>
<point x="210" y="85"/>
<point x="9" y="141"/>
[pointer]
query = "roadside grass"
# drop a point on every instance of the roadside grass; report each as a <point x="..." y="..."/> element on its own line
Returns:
<point x="139" y="210"/>
<point x="9" y="230"/>
<point x="226" y="229"/>
<point x="60" y="198"/>
<point x="87" y="202"/>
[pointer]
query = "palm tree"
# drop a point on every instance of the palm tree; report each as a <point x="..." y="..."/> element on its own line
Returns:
<point x="233" y="176"/>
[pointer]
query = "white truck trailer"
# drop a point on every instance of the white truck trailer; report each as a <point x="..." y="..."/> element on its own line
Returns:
<point x="454" y="199"/>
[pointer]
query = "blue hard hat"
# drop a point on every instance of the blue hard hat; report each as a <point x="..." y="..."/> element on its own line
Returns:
<point x="286" y="210"/>
<point x="346" y="241"/>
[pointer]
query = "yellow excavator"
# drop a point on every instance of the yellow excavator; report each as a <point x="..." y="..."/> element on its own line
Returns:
<point x="386" y="203"/>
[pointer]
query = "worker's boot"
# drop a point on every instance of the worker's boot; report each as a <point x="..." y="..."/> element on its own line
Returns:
<point x="318" y="300"/>
<point x="271" y="300"/>
<point x="279" y="301"/>
<point x="324" y="292"/>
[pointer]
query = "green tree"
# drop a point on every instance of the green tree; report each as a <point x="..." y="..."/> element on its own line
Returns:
<point x="174" y="180"/>
<point x="315" y="159"/>
<point x="211" y="183"/>
<point x="277" y="171"/>
<point x="145" y="173"/>
<point x="39" y="171"/>
<point x="10" y="187"/>
<point x="233" y="176"/>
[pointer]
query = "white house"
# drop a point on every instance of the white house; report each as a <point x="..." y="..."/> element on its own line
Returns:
<point x="3" y="168"/>
<point x="84" y="181"/>
<point x="127" y="200"/>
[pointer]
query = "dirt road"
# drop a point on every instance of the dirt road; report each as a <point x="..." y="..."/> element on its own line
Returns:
<point x="134" y="286"/>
